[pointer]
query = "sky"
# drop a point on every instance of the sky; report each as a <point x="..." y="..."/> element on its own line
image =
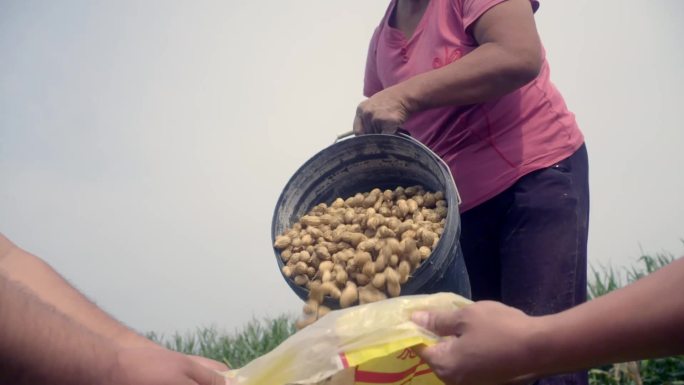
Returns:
<point x="143" y="145"/>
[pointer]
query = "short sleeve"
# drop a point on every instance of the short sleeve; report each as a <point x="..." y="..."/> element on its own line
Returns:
<point x="371" y="81"/>
<point x="471" y="10"/>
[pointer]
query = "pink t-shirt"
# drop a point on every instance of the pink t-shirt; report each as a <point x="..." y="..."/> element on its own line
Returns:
<point x="488" y="146"/>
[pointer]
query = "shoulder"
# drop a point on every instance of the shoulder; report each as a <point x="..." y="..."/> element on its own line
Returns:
<point x="383" y="21"/>
<point x="468" y="11"/>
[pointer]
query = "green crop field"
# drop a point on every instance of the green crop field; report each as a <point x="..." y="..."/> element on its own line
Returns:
<point x="261" y="336"/>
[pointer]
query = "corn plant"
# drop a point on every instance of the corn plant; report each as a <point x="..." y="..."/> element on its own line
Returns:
<point x="259" y="337"/>
<point x="252" y="341"/>
<point x="662" y="371"/>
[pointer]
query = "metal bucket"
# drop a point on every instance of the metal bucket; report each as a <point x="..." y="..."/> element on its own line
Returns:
<point x="360" y="164"/>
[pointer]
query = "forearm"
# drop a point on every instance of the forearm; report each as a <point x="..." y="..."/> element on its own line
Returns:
<point x="40" y="345"/>
<point x="642" y="320"/>
<point x="51" y="288"/>
<point x="488" y="72"/>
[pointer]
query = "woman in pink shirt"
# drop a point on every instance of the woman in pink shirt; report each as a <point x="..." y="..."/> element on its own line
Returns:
<point x="469" y="79"/>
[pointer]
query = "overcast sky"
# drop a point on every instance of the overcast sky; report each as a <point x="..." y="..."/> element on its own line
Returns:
<point x="143" y="144"/>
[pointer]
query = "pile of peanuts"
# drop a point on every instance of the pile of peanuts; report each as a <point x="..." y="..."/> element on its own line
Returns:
<point x="363" y="248"/>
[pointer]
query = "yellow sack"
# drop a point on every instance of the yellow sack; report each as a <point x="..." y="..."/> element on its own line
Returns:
<point x="362" y="345"/>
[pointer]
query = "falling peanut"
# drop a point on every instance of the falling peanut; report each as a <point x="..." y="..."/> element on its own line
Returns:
<point x="349" y="295"/>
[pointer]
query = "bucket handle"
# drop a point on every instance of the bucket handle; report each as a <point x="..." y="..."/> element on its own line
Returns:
<point x="345" y="135"/>
<point x="402" y="132"/>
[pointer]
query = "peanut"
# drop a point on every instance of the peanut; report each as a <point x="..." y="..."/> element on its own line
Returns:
<point x="367" y="245"/>
<point x="311" y="220"/>
<point x="368" y="269"/>
<point x="304" y="256"/>
<point x="325" y="266"/>
<point x="385" y="232"/>
<point x="329" y="288"/>
<point x="322" y="311"/>
<point x="282" y="242"/>
<point x="362" y="279"/>
<point x="310" y="307"/>
<point x="353" y="238"/>
<point x="412" y="206"/>
<point x="341" y="276"/>
<point x="338" y="203"/>
<point x="361" y="258"/>
<point x="326" y="276"/>
<point x="301" y="279"/>
<point x="362" y="248"/>
<point x="349" y="295"/>
<point x="322" y="253"/>
<point x="300" y="268"/>
<point x="302" y="323"/>
<point x="379" y="281"/>
<point x="404" y="271"/>
<point x="393" y="289"/>
<point x="369" y="293"/>
<point x="381" y="262"/>
<point x="286" y="254"/>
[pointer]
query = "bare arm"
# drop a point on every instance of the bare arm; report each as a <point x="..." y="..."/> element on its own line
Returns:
<point x="495" y="343"/>
<point x="51" y="288"/>
<point x="508" y="57"/>
<point x="40" y="345"/>
<point x="642" y="320"/>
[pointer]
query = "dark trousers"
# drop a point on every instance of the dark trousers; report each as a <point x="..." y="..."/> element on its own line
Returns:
<point x="527" y="247"/>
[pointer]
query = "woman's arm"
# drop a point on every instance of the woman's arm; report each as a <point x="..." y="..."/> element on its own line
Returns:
<point x="495" y="343"/>
<point x="508" y="57"/>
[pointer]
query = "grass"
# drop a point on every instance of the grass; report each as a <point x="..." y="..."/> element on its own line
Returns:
<point x="254" y="340"/>
<point x="661" y="371"/>
<point x="259" y="337"/>
<point x="607" y="278"/>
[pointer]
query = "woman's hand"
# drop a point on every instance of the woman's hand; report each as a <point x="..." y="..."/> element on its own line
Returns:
<point x="382" y="113"/>
<point x="509" y="55"/>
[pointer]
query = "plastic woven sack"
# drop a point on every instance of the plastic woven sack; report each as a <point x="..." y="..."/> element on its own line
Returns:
<point x="368" y="344"/>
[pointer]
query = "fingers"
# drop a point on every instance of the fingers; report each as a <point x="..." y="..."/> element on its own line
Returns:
<point x="209" y="363"/>
<point x="204" y="376"/>
<point x="435" y="353"/>
<point x="358" y="125"/>
<point x="440" y="323"/>
<point x="363" y="122"/>
<point x="372" y="121"/>
<point x="369" y="125"/>
<point x="389" y="128"/>
<point x="442" y="357"/>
